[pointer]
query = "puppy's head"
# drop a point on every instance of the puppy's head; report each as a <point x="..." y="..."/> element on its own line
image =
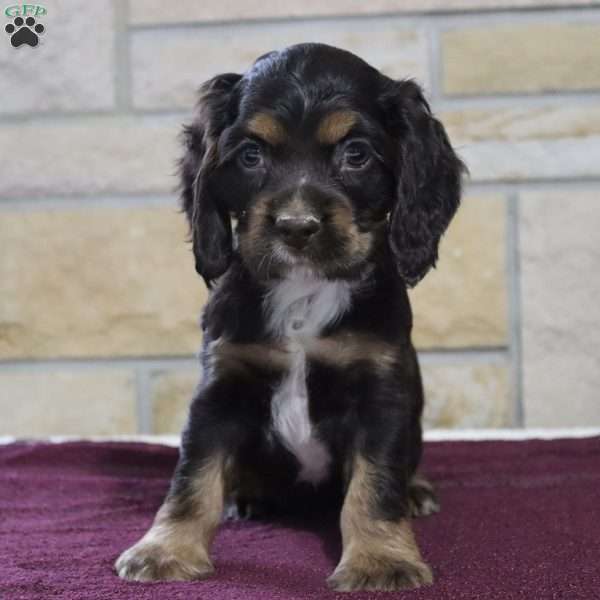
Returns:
<point x="322" y="161"/>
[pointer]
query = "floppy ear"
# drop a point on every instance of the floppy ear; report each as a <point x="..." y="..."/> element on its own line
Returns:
<point x="210" y="224"/>
<point x="429" y="181"/>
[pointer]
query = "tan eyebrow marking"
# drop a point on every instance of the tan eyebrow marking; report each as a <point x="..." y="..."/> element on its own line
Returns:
<point x="267" y="128"/>
<point x="336" y="126"/>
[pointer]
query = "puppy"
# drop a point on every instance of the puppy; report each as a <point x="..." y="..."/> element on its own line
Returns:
<point x="317" y="190"/>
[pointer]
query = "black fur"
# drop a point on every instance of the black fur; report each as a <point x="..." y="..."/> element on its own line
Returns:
<point x="429" y="181"/>
<point x="210" y="223"/>
<point x="417" y="181"/>
<point x="400" y="201"/>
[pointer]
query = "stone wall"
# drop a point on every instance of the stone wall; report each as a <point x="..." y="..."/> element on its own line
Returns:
<point x="99" y="300"/>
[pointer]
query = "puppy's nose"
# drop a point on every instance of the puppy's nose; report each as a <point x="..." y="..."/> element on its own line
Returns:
<point x="296" y="231"/>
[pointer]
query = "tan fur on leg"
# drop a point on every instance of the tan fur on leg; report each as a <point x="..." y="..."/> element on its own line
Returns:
<point x="377" y="554"/>
<point x="176" y="547"/>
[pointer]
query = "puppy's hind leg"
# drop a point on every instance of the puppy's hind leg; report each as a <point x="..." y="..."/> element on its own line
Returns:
<point x="422" y="499"/>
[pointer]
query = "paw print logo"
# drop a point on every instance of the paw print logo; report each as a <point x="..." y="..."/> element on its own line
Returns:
<point x="24" y="31"/>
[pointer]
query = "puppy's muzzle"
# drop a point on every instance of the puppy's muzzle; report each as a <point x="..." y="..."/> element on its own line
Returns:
<point x="296" y="231"/>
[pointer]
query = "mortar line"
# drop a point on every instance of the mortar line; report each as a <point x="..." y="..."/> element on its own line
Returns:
<point x="92" y="201"/>
<point x="514" y="307"/>
<point x="565" y="14"/>
<point x="551" y="183"/>
<point x="121" y="57"/>
<point x="143" y="401"/>
<point x="87" y="364"/>
<point x="410" y="17"/>
<point x="464" y="356"/>
<point x="534" y="98"/>
<point x="559" y="100"/>
<point x="62" y="116"/>
<point x="435" y="63"/>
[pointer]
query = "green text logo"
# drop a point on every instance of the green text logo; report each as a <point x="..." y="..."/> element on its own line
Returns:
<point x="25" y="10"/>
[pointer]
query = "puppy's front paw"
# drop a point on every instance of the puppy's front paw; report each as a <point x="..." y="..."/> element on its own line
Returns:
<point x="379" y="575"/>
<point x="151" y="561"/>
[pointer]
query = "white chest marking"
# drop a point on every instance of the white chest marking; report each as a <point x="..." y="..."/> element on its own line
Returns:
<point x="298" y="308"/>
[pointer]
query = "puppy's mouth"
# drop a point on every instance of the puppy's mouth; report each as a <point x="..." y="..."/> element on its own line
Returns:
<point x="279" y="259"/>
<point x="293" y="257"/>
<point x="325" y="240"/>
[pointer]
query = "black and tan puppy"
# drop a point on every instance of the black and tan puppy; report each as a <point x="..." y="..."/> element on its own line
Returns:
<point x="340" y="183"/>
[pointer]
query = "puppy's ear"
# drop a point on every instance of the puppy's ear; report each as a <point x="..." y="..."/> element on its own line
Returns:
<point x="210" y="224"/>
<point x="429" y="181"/>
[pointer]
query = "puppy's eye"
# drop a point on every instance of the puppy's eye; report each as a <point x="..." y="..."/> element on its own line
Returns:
<point x="251" y="157"/>
<point x="357" y="155"/>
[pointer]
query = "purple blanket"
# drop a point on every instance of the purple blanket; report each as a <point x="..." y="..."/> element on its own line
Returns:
<point x="519" y="520"/>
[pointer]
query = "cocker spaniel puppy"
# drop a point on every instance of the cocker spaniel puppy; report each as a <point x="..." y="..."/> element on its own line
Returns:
<point x="317" y="190"/>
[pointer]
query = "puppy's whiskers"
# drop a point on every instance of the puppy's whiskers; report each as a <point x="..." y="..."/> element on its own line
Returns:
<point x="261" y="262"/>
